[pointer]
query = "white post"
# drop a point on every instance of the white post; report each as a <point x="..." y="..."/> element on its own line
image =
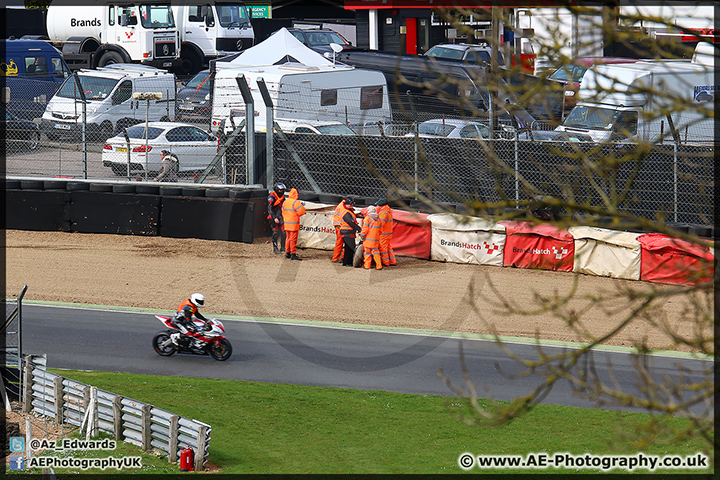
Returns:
<point x="28" y="437"/>
<point x="373" y="30"/>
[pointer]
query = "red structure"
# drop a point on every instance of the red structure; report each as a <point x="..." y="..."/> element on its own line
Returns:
<point x="541" y="246"/>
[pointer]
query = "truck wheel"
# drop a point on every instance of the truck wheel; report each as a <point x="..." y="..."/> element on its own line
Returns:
<point x="195" y="62"/>
<point x="109" y="58"/>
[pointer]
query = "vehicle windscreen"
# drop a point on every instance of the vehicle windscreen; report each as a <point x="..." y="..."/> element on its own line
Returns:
<point x="435" y="129"/>
<point x="443" y="52"/>
<point x="156" y="16"/>
<point x="232" y="14"/>
<point x="323" y="38"/>
<point x="569" y="73"/>
<point x="335" y="130"/>
<point x="199" y="80"/>
<point x="593" y="118"/>
<point x="96" y="88"/>
<point x="138" y="131"/>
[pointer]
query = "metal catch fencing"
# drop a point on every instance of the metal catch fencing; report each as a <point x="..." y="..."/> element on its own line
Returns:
<point x="11" y="332"/>
<point x="376" y="159"/>
<point x="69" y="402"/>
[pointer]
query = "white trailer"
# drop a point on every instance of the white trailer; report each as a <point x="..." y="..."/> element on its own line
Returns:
<point x="302" y="84"/>
<point x="648" y="101"/>
<point x="210" y="30"/>
<point x="354" y="97"/>
<point x="104" y="33"/>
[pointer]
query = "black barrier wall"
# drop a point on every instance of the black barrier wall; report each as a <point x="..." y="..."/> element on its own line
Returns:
<point x="37" y="210"/>
<point x="92" y="211"/>
<point x="118" y="213"/>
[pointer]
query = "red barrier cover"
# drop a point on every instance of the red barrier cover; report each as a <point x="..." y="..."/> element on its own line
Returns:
<point x="544" y="246"/>
<point x="411" y="233"/>
<point x="665" y="259"/>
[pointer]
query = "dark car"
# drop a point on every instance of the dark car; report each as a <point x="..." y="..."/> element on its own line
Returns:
<point x="20" y="133"/>
<point x="194" y="98"/>
<point x="320" y="40"/>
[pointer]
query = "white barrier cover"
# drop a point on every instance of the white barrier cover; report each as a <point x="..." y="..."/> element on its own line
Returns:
<point x="316" y="229"/>
<point x="461" y="239"/>
<point x="607" y="253"/>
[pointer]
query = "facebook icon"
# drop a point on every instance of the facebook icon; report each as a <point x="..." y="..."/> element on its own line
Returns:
<point x="17" y="462"/>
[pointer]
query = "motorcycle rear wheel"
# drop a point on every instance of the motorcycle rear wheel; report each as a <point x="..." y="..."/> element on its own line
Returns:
<point x="162" y="344"/>
<point x="220" y="350"/>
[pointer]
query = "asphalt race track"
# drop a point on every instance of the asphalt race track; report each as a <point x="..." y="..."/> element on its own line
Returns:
<point x="106" y="340"/>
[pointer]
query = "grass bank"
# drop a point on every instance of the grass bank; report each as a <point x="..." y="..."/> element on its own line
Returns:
<point x="269" y="428"/>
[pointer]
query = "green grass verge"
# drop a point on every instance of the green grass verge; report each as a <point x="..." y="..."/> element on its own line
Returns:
<point x="269" y="428"/>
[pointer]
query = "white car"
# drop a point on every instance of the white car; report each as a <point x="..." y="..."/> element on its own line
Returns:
<point x="451" y="128"/>
<point x="193" y="147"/>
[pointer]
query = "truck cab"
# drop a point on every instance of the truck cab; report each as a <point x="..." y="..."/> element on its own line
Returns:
<point x="646" y="101"/>
<point x="211" y="30"/>
<point x="103" y="34"/>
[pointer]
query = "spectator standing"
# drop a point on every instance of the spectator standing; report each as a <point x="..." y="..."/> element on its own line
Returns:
<point x="275" y="218"/>
<point x="386" y="231"/>
<point x="371" y="238"/>
<point x="292" y="210"/>
<point x="169" y="168"/>
<point x="348" y="228"/>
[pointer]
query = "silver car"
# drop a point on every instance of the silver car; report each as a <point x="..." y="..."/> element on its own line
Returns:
<point x="452" y="128"/>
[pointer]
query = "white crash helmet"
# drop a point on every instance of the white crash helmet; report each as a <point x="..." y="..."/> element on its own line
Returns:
<point x="197" y="299"/>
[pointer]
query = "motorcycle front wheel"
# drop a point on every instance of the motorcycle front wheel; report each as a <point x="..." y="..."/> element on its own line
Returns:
<point x="220" y="350"/>
<point x="163" y="345"/>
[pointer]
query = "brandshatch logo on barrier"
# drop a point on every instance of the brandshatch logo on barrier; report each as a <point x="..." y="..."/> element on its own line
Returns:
<point x="316" y="229"/>
<point x="490" y="247"/>
<point x="543" y="251"/>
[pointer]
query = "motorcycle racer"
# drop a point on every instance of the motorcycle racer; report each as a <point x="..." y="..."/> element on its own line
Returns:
<point x="183" y="317"/>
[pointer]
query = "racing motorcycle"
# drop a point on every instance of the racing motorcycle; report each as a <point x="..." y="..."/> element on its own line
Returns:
<point x="209" y="340"/>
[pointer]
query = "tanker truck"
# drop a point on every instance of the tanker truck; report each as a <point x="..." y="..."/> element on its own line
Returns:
<point x="104" y="33"/>
<point x="210" y="30"/>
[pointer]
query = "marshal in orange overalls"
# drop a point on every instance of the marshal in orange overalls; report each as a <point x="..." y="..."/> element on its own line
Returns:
<point x="371" y="243"/>
<point x="292" y="210"/>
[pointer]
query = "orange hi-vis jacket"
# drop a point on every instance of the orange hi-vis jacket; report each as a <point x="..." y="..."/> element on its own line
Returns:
<point x="343" y="224"/>
<point x="292" y="210"/>
<point x="371" y="232"/>
<point x="386" y="219"/>
<point x="339" y="211"/>
<point x="188" y="302"/>
<point x="274" y="202"/>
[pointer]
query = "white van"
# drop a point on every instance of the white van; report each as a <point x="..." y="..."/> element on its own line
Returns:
<point x="110" y="103"/>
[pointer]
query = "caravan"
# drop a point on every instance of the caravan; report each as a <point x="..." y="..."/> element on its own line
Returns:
<point x="302" y="84"/>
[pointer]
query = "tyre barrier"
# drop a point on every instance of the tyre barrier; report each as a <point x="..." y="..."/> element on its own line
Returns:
<point x="212" y="213"/>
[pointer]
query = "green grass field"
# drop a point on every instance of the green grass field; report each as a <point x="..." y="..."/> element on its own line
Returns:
<point x="269" y="428"/>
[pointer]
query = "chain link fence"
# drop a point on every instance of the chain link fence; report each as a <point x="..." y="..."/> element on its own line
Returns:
<point x="391" y="159"/>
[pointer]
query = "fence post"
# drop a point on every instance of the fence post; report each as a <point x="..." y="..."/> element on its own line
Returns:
<point x="173" y="440"/>
<point x="94" y="426"/>
<point x="200" y="455"/>
<point x="117" y="417"/>
<point x="146" y="420"/>
<point x="27" y="383"/>
<point x="58" y="397"/>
